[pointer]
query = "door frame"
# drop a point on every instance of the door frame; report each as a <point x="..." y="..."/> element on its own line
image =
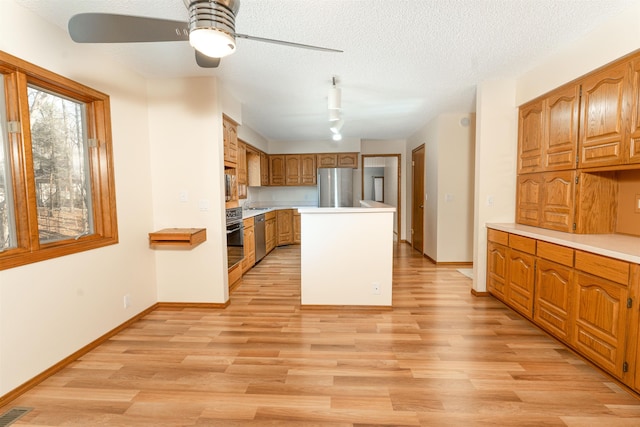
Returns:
<point x="413" y="195"/>
<point x="399" y="192"/>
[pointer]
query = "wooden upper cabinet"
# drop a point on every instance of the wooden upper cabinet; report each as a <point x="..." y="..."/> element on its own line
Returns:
<point x="529" y="199"/>
<point x="277" y="169"/>
<point x="293" y="169"/>
<point x="561" y="128"/>
<point x="230" y="140"/>
<point x="530" y="137"/>
<point x="558" y="200"/>
<point x="264" y="169"/>
<point x="338" y="160"/>
<point x="605" y="108"/>
<point x="242" y="163"/>
<point x="328" y="160"/>
<point x="633" y="141"/>
<point x="308" y="169"/>
<point x="348" y="160"/>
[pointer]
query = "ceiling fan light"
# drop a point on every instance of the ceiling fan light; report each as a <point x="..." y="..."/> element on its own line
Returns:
<point x="336" y="137"/>
<point x="336" y="126"/>
<point x="212" y="42"/>
<point x="335" y="98"/>
<point x="334" y="115"/>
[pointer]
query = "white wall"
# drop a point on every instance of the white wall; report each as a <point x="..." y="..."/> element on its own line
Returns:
<point x="496" y="126"/>
<point x="185" y="118"/>
<point x="253" y="138"/>
<point x="347" y="145"/>
<point x="50" y="309"/>
<point x="495" y="170"/>
<point x="448" y="181"/>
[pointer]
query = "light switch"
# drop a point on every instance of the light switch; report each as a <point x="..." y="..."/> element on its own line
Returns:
<point x="184" y="196"/>
<point x="203" y="205"/>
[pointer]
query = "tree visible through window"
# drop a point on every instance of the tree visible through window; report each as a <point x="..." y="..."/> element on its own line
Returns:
<point x="58" y="144"/>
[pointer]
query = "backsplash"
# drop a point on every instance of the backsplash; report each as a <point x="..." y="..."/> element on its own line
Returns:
<point x="281" y="196"/>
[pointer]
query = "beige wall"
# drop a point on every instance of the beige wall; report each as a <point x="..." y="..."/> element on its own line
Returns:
<point x="187" y="157"/>
<point x="449" y="175"/>
<point x="50" y="309"/>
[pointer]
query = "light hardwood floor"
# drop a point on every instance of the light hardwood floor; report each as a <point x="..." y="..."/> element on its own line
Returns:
<point x="440" y="357"/>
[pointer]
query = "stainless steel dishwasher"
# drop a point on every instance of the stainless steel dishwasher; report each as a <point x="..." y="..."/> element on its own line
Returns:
<point x="258" y="229"/>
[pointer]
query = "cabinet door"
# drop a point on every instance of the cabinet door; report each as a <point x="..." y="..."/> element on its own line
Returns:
<point x="264" y="169"/>
<point x="561" y="134"/>
<point x="327" y="160"/>
<point x="529" y="199"/>
<point x="520" y="286"/>
<point x="293" y="169"/>
<point x="284" y="227"/>
<point x="249" y="248"/>
<point x="242" y="163"/>
<point x="633" y="141"/>
<point x="309" y="169"/>
<point x="276" y="169"/>
<point x="605" y="109"/>
<point x="558" y="196"/>
<point x="600" y="315"/>
<point x="497" y="269"/>
<point x="530" y="137"/>
<point x="270" y="234"/>
<point x="553" y="298"/>
<point x="348" y="160"/>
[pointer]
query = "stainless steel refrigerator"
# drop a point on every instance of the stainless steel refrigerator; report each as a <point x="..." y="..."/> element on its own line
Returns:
<point x="335" y="187"/>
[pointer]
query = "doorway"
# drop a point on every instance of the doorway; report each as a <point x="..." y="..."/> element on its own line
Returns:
<point x="381" y="183"/>
<point x="417" y="199"/>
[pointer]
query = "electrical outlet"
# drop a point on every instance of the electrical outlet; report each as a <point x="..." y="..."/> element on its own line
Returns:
<point x="127" y="301"/>
<point x="184" y="196"/>
<point x="376" y="288"/>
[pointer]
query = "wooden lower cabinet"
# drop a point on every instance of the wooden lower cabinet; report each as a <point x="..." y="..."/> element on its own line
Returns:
<point x="553" y="295"/>
<point x="497" y="269"/>
<point x="589" y="302"/>
<point x="519" y="289"/>
<point x="270" y="230"/>
<point x="249" y="245"/>
<point x="600" y="320"/>
<point x="284" y="218"/>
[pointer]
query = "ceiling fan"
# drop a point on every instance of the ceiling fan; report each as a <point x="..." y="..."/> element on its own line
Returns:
<point x="210" y="30"/>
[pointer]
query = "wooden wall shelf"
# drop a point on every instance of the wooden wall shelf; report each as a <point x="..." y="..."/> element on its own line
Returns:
<point x="179" y="237"/>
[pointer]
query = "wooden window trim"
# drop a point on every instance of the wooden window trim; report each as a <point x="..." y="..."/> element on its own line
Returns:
<point x="17" y="74"/>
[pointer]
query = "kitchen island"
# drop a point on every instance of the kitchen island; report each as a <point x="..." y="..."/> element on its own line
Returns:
<point x="347" y="255"/>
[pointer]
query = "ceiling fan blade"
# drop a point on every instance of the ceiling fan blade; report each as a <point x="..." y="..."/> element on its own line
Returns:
<point x="285" y="43"/>
<point x="111" y="28"/>
<point x="206" y="61"/>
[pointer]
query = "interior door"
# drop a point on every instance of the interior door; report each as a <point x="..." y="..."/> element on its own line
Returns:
<point x="417" y="199"/>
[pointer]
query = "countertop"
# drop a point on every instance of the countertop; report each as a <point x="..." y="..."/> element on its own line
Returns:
<point x="619" y="246"/>
<point x="366" y="206"/>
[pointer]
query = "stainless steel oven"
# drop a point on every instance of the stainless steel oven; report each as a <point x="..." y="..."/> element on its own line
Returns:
<point x="235" y="236"/>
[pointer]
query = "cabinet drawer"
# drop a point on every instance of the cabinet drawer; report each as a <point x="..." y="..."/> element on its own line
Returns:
<point x="248" y="222"/>
<point x="556" y="253"/>
<point x="498" y="237"/>
<point x="270" y="215"/>
<point x="601" y="266"/>
<point x="523" y="244"/>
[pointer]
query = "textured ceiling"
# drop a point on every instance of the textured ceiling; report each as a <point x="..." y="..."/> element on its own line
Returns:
<point x="404" y="62"/>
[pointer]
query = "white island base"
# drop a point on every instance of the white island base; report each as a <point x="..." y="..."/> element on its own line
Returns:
<point x="347" y="255"/>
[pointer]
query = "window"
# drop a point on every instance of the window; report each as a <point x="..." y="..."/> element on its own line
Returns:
<point x="57" y="193"/>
